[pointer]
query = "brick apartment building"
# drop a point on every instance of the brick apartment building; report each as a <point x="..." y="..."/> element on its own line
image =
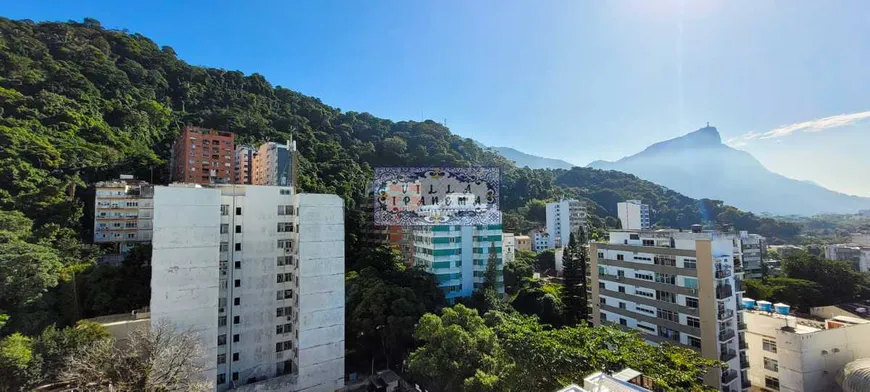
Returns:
<point x="203" y="156"/>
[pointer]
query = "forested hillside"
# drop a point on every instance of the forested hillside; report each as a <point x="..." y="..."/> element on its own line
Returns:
<point x="80" y="103"/>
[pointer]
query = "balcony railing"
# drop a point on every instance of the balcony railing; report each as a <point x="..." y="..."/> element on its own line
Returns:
<point x="724" y="292"/>
<point x="726" y="335"/>
<point x="726" y="314"/>
<point x="728" y="376"/>
<point x="744" y="363"/>
<point x="723" y="274"/>
<point x="727" y="355"/>
<point x="741" y="326"/>
<point x="742" y="345"/>
<point x="744" y="383"/>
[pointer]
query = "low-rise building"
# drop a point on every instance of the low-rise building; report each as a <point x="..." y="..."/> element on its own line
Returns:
<point x="794" y="354"/>
<point x="626" y="380"/>
<point x="123" y="211"/>
<point x="541" y="241"/>
<point x="857" y="255"/>
<point x="523" y="243"/>
<point x="509" y="247"/>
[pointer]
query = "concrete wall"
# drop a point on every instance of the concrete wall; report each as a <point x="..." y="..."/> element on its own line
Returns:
<point x="184" y="264"/>
<point x="321" y="293"/>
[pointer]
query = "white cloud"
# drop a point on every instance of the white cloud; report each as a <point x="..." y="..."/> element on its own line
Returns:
<point x="817" y="125"/>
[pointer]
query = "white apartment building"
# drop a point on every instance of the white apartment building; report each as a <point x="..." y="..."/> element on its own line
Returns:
<point x="509" y="247"/>
<point x="563" y="218"/>
<point x="541" y="241"/>
<point x="633" y="215"/>
<point x="794" y="354"/>
<point x="857" y="255"/>
<point x="258" y="273"/>
<point x="123" y="210"/>
<point x="676" y="287"/>
<point x="753" y="247"/>
<point x="458" y="256"/>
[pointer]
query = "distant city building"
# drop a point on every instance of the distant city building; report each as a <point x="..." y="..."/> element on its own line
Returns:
<point x="509" y="247"/>
<point x="123" y="210"/>
<point x="676" y="287"/>
<point x="203" y="156"/>
<point x="857" y="255"/>
<point x="274" y="164"/>
<point x="783" y="251"/>
<point x="541" y="241"/>
<point x="523" y="243"/>
<point x="258" y="273"/>
<point x="458" y="256"/>
<point x="626" y="380"/>
<point x="795" y="354"/>
<point x="753" y="246"/>
<point x="243" y="172"/>
<point x="563" y="218"/>
<point x="633" y="215"/>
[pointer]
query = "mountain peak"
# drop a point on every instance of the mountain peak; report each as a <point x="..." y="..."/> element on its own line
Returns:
<point x="707" y="136"/>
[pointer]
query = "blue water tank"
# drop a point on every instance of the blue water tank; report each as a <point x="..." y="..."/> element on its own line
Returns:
<point x="781" y="308"/>
<point x="748" y="303"/>
<point x="764" y="306"/>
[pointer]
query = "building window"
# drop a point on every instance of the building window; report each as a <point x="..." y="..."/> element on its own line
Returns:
<point x="622" y="305"/>
<point x="692" y="302"/>
<point x="602" y="300"/>
<point x="285" y="277"/>
<point x="285" y="227"/>
<point x="643" y="276"/>
<point x="644" y="293"/>
<point x="237" y="283"/>
<point x="690" y="263"/>
<point x="237" y="319"/>
<point x="693" y="322"/>
<point x="601" y="286"/>
<point x="221" y="378"/>
<point x="667" y="315"/>
<point x="666" y="278"/>
<point x="235" y="357"/>
<point x="279" y="329"/>
<point x="236" y="338"/>
<point x="694" y="342"/>
<point x="238" y="265"/>
<point x="225" y="228"/>
<point x="238" y="228"/>
<point x="238" y="246"/>
<point x="620" y="257"/>
<point x="235" y="376"/>
<point x="222" y="321"/>
<point x="768" y="345"/>
<point x="222" y="340"/>
<point x="237" y="301"/>
<point x="771" y="382"/>
<point x="691" y="283"/>
<point x="285" y="210"/>
<point x="225" y="209"/>
<point x="279" y="347"/>
<point x="279" y="312"/>
<point x="771" y="364"/>
<point x="238" y="210"/>
<point x="622" y="289"/>
<point x="600" y="255"/>
<point x="284" y="244"/>
<point x="623" y="322"/>
<point x="225" y="246"/>
<point x="222" y="358"/>
<point x="666" y="296"/>
<point x="648" y="243"/>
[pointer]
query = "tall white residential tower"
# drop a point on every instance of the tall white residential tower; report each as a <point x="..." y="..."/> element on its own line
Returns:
<point x="633" y="215"/>
<point x="563" y="218"/>
<point x="258" y="272"/>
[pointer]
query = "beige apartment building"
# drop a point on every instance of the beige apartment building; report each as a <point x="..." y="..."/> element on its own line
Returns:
<point x="677" y="287"/>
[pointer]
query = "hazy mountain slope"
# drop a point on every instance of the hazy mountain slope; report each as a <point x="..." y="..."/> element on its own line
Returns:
<point x="532" y="161"/>
<point x="699" y="165"/>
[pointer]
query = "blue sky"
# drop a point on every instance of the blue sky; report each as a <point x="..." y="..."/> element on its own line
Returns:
<point x="576" y="80"/>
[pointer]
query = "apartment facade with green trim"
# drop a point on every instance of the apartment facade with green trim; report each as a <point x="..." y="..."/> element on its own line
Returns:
<point x="458" y="256"/>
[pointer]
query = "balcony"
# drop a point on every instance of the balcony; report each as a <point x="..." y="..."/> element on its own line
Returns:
<point x="726" y="314"/>
<point x="724" y="292"/>
<point x="742" y="345"/>
<point x="726" y="335"/>
<point x="723" y="274"/>
<point x="741" y="326"/>
<point x="728" y="376"/>
<point x="727" y="355"/>
<point x="745" y="384"/>
<point x="744" y="363"/>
